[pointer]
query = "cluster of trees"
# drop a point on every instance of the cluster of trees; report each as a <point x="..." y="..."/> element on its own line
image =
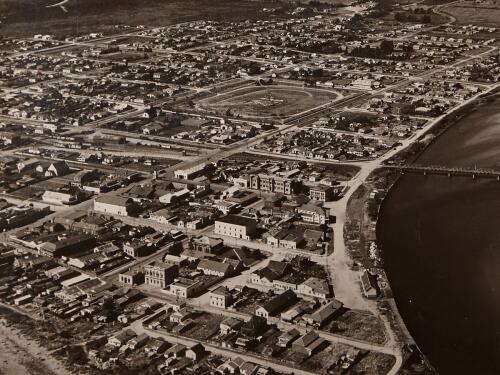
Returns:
<point x="412" y="17"/>
<point x="385" y="49"/>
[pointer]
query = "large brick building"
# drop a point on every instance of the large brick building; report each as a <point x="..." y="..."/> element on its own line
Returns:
<point x="273" y="184"/>
<point x="236" y="226"/>
<point x="160" y="274"/>
<point x="114" y="205"/>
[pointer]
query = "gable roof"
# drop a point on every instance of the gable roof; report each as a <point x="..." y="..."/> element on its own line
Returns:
<point x="274" y="270"/>
<point x="212" y="265"/>
<point x="114" y="200"/>
<point x="326" y="311"/>
<point x="279" y="302"/>
<point x="237" y="220"/>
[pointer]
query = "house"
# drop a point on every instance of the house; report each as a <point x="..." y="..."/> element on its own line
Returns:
<point x="286" y="238"/>
<point x="156" y="346"/>
<point x="324" y="313"/>
<point x="266" y="275"/>
<point x="313" y="214"/>
<point x="206" y="244"/>
<point x="137" y="248"/>
<point x="220" y="297"/>
<point x="84" y="177"/>
<point x="254" y="327"/>
<point x="27" y="164"/>
<point x="212" y="267"/>
<point x="229" y="325"/>
<point x="152" y="128"/>
<point x="121" y="338"/>
<point x="131" y="277"/>
<point x="160" y="274"/>
<point x="276" y="304"/>
<point x="181" y="315"/>
<point x="113" y="204"/>
<point x="369" y="284"/>
<point x="228" y="367"/>
<point x="236" y="227"/>
<point x="309" y="344"/>
<point x="286" y="338"/>
<point x="174" y="196"/>
<point x="292" y="314"/>
<point x="138" y="341"/>
<point x="314" y="287"/>
<point x="59" y="168"/>
<point x="186" y="288"/>
<point x="176" y="351"/>
<point x="249" y="368"/>
<point x="195" y="352"/>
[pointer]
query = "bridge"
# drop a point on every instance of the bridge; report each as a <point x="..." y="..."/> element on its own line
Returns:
<point x="447" y="171"/>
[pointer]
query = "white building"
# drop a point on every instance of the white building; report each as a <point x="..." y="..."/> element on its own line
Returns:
<point x="236" y="226"/>
<point x="112" y="204"/>
<point x="186" y="174"/>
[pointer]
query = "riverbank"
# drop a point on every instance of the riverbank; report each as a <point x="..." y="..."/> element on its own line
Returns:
<point x="417" y="230"/>
<point x="413" y="152"/>
<point x="20" y="355"/>
<point x="364" y="209"/>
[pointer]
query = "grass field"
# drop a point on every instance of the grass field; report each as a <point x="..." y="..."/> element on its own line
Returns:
<point x="268" y="102"/>
<point x="21" y="18"/>
<point x="475" y="15"/>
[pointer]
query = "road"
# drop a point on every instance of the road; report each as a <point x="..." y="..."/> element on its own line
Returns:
<point x="339" y="264"/>
<point x="229" y="353"/>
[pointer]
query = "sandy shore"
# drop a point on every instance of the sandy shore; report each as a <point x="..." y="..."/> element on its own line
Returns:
<point x="21" y="356"/>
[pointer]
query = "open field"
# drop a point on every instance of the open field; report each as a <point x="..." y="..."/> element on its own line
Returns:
<point x="475" y="15"/>
<point x="28" y="17"/>
<point x="268" y="102"/>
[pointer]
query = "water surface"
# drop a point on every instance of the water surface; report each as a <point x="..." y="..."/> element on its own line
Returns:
<point x="441" y="242"/>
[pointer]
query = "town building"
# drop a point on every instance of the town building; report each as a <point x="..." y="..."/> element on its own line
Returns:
<point x="113" y="204"/>
<point x="369" y="284"/>
<point x="206" y="244"/>
<point x="309" y="343"/>
<point x="186" y="288"/>
<point x="189" y="173"/>
<point x="315" y="288"/>
<point x="215" y="268"/>
<point x="324" y="314"/>
<point x="313" y="214"/>
<point x="272" y="184"/>
<point x="220" y="297"/>
<point x="321" y="193"/>
<point x="276" y="304"/>
<point x="131" y="277"/>
<point x="236" y="227"/>
<point x="160" y="274"/>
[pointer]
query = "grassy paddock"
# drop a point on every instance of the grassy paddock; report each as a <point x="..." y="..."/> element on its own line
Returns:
<point x="21" y="18"/>
<point x="470" y="15"/>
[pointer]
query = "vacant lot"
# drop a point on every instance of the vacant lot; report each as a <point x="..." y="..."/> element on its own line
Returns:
<point x="359" y="325"/>
<point x="268" y="102"/>
<point x="475" y="15"/>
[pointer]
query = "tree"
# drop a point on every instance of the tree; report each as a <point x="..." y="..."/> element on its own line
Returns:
<point x="401" y="17"/>
<point x="387" y="47"/>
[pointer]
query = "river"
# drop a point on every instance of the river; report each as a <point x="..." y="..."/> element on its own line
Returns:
<point x="441" y="246"/>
